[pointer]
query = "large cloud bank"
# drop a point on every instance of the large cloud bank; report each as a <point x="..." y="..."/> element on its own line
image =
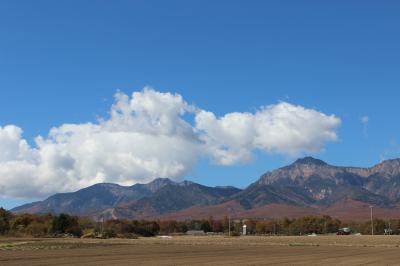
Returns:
<point x="148" y="135"/>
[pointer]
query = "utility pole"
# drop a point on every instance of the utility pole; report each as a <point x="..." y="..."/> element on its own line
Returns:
<point x="102" y="225"/>
<point x="229" y="222"/>
<point x="372" y="221"/>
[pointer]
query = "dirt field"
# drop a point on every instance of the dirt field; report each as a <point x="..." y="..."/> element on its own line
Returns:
<point x="209" y="250"/>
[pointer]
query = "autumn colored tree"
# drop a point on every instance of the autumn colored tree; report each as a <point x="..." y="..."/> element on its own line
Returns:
<point x="168" y="227"/>
<point x="5" y="217"/>
<point x="66" y="224"/>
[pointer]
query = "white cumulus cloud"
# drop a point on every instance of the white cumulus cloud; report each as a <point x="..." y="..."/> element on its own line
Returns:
<point x="282" y="128"/>
<point x="147" y="136"/>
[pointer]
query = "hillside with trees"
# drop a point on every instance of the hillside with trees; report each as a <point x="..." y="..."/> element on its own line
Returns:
<point x="64" y="225"/>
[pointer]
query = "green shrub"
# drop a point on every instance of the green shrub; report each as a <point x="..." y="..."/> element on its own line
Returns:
<point x="5" y="217"/>
<point x="66" y="224"/>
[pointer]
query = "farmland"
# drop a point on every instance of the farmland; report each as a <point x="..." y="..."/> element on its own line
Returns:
<point x="203" y="250"/>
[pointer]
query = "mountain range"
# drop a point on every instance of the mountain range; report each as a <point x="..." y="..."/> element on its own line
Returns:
<point x="308" y="186"/>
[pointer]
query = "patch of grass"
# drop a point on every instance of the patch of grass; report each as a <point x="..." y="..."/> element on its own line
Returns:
<point x="10" y="246"/>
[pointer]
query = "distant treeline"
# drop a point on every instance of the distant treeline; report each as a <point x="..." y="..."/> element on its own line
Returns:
<point x="47" y="225"/>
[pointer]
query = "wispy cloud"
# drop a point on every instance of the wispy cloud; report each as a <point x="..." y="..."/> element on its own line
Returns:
<point x="392" y="151"/>
<point x="364" y="121"/>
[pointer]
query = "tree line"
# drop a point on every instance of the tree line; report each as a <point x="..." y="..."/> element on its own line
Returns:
<point x="48" y="225"/>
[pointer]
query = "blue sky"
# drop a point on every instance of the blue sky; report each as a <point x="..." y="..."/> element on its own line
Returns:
<point x="62" y="62"/>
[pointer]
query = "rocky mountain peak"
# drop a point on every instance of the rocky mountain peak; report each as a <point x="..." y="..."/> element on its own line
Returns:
<point x="309" y="161"/>
<point x="186" y="183"/>
<point x="158" y="183"/>
<point x="301" y="170"/>
<point x="388" y="168"/>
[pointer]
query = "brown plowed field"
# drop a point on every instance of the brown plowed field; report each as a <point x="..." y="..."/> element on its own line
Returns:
<point x="207" y="250"/>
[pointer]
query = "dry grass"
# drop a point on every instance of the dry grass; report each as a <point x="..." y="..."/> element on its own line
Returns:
<point x="208" y="250"/>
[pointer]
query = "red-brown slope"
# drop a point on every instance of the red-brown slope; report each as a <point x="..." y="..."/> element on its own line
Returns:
<point x="278" y="211"/>
<point x="270" y="211"/>
<point x="346" y="209"/>
<point x="203" y="212"/>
